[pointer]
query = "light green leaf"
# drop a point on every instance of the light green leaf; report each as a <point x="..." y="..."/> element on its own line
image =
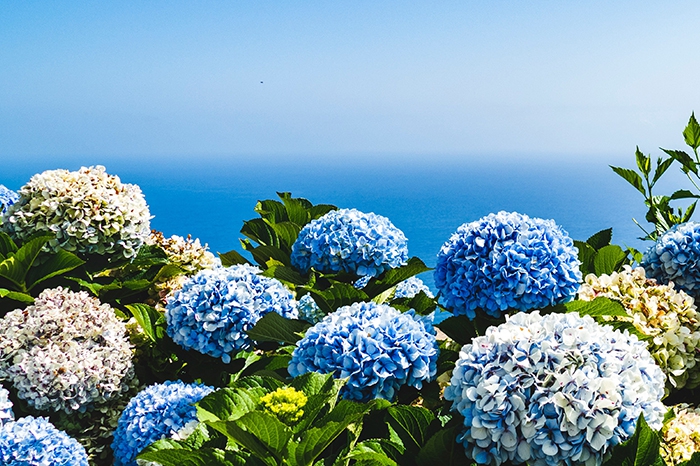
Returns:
<point x="204" y="457"/>
<point x="228" y="404"/>
<point x="631" y="177"/>
<point x="691" y="133"/>
<point x="600" y="239"/>
<point x="261" y="433"/>
<point x="58" y="263"/>
<point x="16" y="296"/>
<point x="600" y="306"/>
<point x="7" y="246"/>
<point x="609" y="259"/>
<point x="146" y="316"/>
<point x="15" y="268"/>
<point x="371" y="452"/>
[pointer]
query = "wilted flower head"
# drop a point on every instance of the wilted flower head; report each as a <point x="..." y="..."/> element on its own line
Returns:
<point x="186" y="253"/>
<point x="285" y="403"/>
<point x="309" y="310"/>
<point x="6" y="414"/>
<point x="558" y="389"/>
<point x="668" y="316"/>
<point x="7" y="198"/>
<point x="507" y="261"/>
<point x="411" y="287"/>
<point x="680" y="437"/>
<point x="157" y="412"/>
<point x="374" y="345"/>
<point x="32" y="441"/>
<point x="675" y="257"/>
<point x="215" y="308"/>
<point x="65" y="352"/>
<point x="87" y="211"/>
<point x="350" y="241"/>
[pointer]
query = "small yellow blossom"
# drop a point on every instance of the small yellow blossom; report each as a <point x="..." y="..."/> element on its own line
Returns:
<point x="285" y="403"/>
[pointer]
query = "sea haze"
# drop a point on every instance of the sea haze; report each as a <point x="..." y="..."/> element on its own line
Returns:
<point x="426" y="197"/>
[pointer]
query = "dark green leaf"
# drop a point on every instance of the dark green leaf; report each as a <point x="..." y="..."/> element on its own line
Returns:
<point x="15" y="268"/>
<point x="274" y="327"/>
<point x="337" y="295"/>
<point x="209" y="457"/>
<point x="261" y="232"/>
<point x="684" y="194"/>
<point x="642" y="449"/>
<point x="297" y="209"/>
<point x="7" y="246"/>
<point x="684" y="159"/>
<point x="459" y="328"/>
<point x="285" y="274"/>
<point x="661" y="167"/>
<point x="412" y="424"/>
<point x="693" y="461"/>
<point x="228" y="404"/>
<point x="263" y="254"/>
<point x="586" y="254"/>
<point x="320" y="210"/>
<point x="609" y="259"/>
<point x="259" y="432"/>
<point x="232" y="257"/>
<point x="392" y="277"/>
<point x="268" y="384"/>
<point x="600" y="239"/>
<point x="442" y="449"/>
<point x="421" y="303"/>
<point x="57" y="263"/>
<point x="631" y="177"/>
<point x="287" y="232"/>
<point x="272" y="211"/>
<point x="372" y="452"/>
<point x="691" y="133"/>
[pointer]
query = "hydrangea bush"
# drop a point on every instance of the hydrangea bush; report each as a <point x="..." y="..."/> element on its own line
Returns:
<point x="31" y="441"/>
<point x="378" y="349"/>
<point x="675" y="257"/>
<point x="66" y="352"/>
<point x="215" y="308"/>
<point x="680" y="437"/>
<point x="551" y="390"/>
<point x="507" y="261"/>
<point x="351" y="241"/>
<point x="87" y="212"/>
<point x="668" y="316"/>
<point x="157" y="412"/>
<point x="7" y="198"/>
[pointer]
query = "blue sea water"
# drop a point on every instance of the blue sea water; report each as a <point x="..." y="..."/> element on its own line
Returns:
<point x="426" y="197"/>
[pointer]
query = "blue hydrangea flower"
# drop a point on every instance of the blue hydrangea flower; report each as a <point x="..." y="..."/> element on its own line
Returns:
<point x="378" y="349"/>
<point x="553" y="390"/>
<point x="411" y="287"/>
<point x="675" y="257"/>
<point x="215" y="308"/>
<point x="6" y="413"/>
<point x="159" y="411"/>
<point x="350" y="241"/>
<point x="7" y="198"/>
<point x="32" y="441"/>
<point x="507" y="261"/>
<point x="309" y="310"/>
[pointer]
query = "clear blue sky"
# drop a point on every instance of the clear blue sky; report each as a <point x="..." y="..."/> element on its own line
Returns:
<point x="346" y="77"/>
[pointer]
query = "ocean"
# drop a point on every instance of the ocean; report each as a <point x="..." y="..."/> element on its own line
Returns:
<point x="426" y="197"/>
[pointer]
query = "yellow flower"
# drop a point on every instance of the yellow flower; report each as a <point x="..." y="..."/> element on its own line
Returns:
<point x="285" y="403"/>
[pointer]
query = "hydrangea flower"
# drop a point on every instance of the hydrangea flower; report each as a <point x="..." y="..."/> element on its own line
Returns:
<point x="507" y="261"/>
<point x="7" y="198"/>
<point x="66" y="352"/>
<point x="668" y="316"/>
<point x="286" y="403"/>
<point x="309" y="310"/>
<point x="6" y="413"/>
<point x="675" y="257"/>
<point x="350" y="241"/>
<point x="186" y="253"/>
<point x="157" y="412"/>
<point x="680" y="437"/>
<point x="411" y="287"/>
<point x="32" y="441"/>
<point x="215" y="308"/>
<point x="88" y="212"/>
<point x="558" y="389"/>
<point x="376" y="347"/>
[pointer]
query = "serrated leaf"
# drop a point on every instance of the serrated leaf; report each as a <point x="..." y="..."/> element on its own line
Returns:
<point x="16" y="267"/>
<point x="600" y="306"/>
<point x="272" y="211"/>
<point x="320" y="210"/>
<point x="684" y="194"/>
<point x="412" y="424"/>
<point x="297" y="209"/>
<point x="57" y="263"/>
<point x="684" y="159"/>
<point x="691" y="133"/>
<point x="442" y="449"/>
<point x="274" y="327"/>
<point x="259" y="432"/>
<point x="228" y="404"/>
<point x="609" y="259"/>
<point x="392" y="277"/>
<point x="586" y="255"/>
<point x="208" y="457"/>
<point x="146" y="316"/>
<point x="232" y="257"/>
<point x="314" y="383"/>
<point x="262" y="254"/>
<point x="371" y="452"/>
<point x="600" y="239"/>
<point x="631" y="177"/>
<point x="16" y="296"/>
<point x="643" y="162"/>
<point x="662" y="166"/>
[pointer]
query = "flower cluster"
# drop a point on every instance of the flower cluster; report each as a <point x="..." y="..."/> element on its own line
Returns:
<point x="668" y="316"/>
<point x="88" y="211"/>
<point x="186" y="253"/>
<point x="65" y="352"/>
<point x="7" y="198"/>
<point x="309" y="310"/>
<point x="285" y="403"/>
<point x="553" y="390"/>
<point x="675" y="257"/>
<point x="680" y="437"/>
<point x="411" y="287"/>
<point x="214" y="309"/>
<point x="351" y="241"/>
<point x="6" y="414"/>
<point x="507" y="261"/>
<point x="157" y="412"/>
<point x="376" y="347"/>
<point x="33" y="441"/>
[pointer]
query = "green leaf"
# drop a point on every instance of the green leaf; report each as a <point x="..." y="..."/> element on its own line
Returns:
<point x="320" y="210"/>
<point x="631" y="177"/>
<point x="297" y="209"/>
<point x="285" y="274"/>
<point x="643" y="162"/>
<point x="642" y="449"/>
<point x="228" y="404"/>
<point x="58" y="263"/>
<point x="371" y="452"/>
<point x="337" y="295"/>
<point x="273" y="211"/>
<point x="684" y="159"/>
<point x="661" y="167"/>
<point x="442" y="449"/>
<point x="693" y="461"/>
<point x="232" y="257"/>
<point x="287" y="233"/>
<point x="586" y="254"/>
<point x="259" y="432"/>
<point x="314" y="383"/>
<point x="421" y="303"/>
<point x="459" y="328"/>
<point x="600" y="306"/>
<point x="609" y="259"/>
<point x="268" y="384"/>
<point x="7" y="246"/>
<point x="15" y="268"/>
<point x="146" y="316"/>
<point x="412" y="424"/>
<point x="392" y="277"/>
<point x="274" y="327"/>
<point x="16" y="296"/>
<point x="684" y="194"/>
<point x="261" y="232"/>
<point x="205" y="457"/>
<point x="691" y="133"/>
<point x="600" y="239"/>
<point x="262" y="254"/>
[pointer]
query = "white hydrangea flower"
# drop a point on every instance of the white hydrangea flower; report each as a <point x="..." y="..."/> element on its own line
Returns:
<point x="88" y="211"/>
<point x="66" y="352"/>
<point x="680" y="437"/>
<point x="667" y="315"/>
<point x="186" y="253"/>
